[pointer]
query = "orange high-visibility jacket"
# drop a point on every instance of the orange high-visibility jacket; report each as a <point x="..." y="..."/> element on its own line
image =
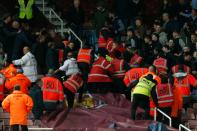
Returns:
<point x="73" y="83"/>
<point x="18" y="105"/>
<point x="155" y="77"/>
<point x="161" y="65"/>
<point x="181" y="89"/>
<point x="20" y="80"/>
<point x="9" y="71"/>
<point x="187" y="69"/>
<point x="99" y="71"/>
<point x="118" y="66"/>
<point x="134" y="74"/>
<point x="84" y="55"/>
<point x="136" y="59"/>
<point x="109" y="45"/>
<point x="52" y="89"/>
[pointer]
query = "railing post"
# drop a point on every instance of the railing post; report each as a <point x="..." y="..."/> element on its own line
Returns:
<point x="155" y="114"/>
<point x="62" y="32"/>
<point x="43" y="8"/>
<point x="70" y="30"/>
<point x="182" y="126"/>
<point x="50" y="14"/>
<point x="164" y="114"/>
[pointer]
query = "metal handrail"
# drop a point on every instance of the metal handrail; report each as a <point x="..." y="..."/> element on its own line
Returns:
<point x="61" y="21"/>
<point x="42" y="129"/>
<point x="43" y="6"/>
<point x="164" y="114"/>
<point x="81" y="42"/>
<point x="184" y="127"/>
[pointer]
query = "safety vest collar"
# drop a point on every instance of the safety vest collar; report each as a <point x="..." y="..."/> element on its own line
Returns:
<point x="17" y="92"/>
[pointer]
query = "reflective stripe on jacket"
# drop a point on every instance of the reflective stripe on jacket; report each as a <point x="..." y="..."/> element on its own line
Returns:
<point x="134" y="74"/>
<point x="164" y="95"/>
<point x="52" y="90"/>
<point x="84" y="55"/>
<point x="118" y="66"/>
<point x="161" y="65"/>
<point x="25" y="10"/>
<point x="18" y="105"/>
<point x="144" y="87"/>
<point x="99" y="71"/>
<point x="73" y="83"/>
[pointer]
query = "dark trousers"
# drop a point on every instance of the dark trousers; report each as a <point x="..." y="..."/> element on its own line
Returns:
<point x="160" y="117"/>
<point x="16" y="127"/>
<point x="119" y="86"/>
<point x="97" y="87"/>
<point x="70" y="97"/>
<point x="143" y="102"/>
<point x="84" y="68"/>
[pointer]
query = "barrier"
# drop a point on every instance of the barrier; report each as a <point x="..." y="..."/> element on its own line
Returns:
<point x="164" y="114"/>
<point x="184" y="127"/>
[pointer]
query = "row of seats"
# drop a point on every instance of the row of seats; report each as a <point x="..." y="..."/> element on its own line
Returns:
<point x="5" y="117"/>
<point x="189" y="117"/>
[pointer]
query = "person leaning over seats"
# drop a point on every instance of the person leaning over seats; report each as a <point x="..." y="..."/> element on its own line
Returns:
<point x="141" y="95"/>
<point x="18" y="105"/>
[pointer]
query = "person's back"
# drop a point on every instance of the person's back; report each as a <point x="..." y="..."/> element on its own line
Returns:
<point x="18" y="105"/>
<point x="161" y="65"/>
<point x="36" y="93"/>
<point x="134" y="74"/>
<point x="100" y="70"/>
<point x="52" y="92"/>
<point x="9" y="71"/>
<point x="20" y="80"/>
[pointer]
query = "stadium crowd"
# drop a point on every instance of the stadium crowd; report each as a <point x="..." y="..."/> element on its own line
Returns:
<point x="157" y="62"/>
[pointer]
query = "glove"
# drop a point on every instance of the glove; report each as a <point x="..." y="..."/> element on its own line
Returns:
<point x="108" y="58"/>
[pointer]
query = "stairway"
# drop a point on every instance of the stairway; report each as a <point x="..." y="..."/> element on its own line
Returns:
<point x="52" y="16"/>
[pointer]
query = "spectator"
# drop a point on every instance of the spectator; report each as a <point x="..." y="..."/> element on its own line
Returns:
<point x="194" y="64"/>
<point x="162" y="35"/>
<point x="123" y="14"/>
<point x="39" y="50"/>
<point x="3" y="57"/>
<point x="166" y="7"/>
<point x="131" y="40"/>
<point x="21" y="41"/>
<point x="36" y="94"/>
<point x="117" y="25"/>
<point x="100" y="16"/>
<point x="28" y="64"/>
<point x="51" y="57"/>
<point x="169" y="25"/>
<point x="75" y="16"/>
<point x="69" y="48"/>
<point x="139" y="26"/>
